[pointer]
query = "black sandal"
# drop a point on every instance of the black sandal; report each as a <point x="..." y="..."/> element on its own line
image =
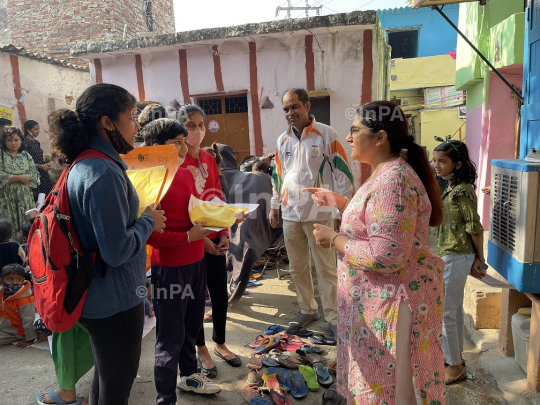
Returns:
<point x="209" y="372"/>
<point x="236" y="361"/>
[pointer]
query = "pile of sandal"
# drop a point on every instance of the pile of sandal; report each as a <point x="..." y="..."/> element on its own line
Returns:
<point x="283" y="353"/>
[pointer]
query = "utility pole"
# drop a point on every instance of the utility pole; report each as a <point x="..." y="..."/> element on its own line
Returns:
<point x="290" y="8"/>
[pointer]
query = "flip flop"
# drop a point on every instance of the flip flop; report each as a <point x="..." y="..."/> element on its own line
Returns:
<point x="255" y="362"/>
<point x="249" y="392"/>
<point x="289" y="361"/>
<point x="252" y="284"/>
<point x="254" y="378"/>
<point x="331" y="397"/>
<point x="308" y="349"/>
<point x="263" y="385"/>
<point x="57" y="400"/>
<point x="266" y="345"/>
<point x="299" y="386"/>
<point x="271" y="359"/>
<point x="259" y="401"/>
<point x="311" y="377"/>
<point x="332" y="367"/>
<point x="322" y="340"/>
<point x="207" y="316"/>
<point x="257" y="341"/>
<point x="290" y="343"/>
<point x="279" y="397"/>
<point x="272" y="330"/>
<point x="323" y="375"/>
<point x="284" y="378"/>
<point x="299" y="331"/>
<point x="308" y="358"/>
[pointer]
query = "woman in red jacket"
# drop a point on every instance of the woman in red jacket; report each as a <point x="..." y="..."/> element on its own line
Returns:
<point x="178" y="277"/>
<point x="202" y="166"/>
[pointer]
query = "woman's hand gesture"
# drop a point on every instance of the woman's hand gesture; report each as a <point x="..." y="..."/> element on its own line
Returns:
<point x="322" y="196"/>
<point x="198" y="233"/>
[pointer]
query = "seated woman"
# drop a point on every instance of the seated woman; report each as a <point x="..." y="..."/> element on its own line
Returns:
<point x="178" y="276"/>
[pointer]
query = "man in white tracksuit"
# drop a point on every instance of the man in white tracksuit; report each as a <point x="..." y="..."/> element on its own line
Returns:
<point x="309" y="154"/>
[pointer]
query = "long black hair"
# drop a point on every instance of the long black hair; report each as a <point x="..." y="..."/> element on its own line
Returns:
<point x="387" y="116"/>
<point x="70" y="131"/>
<point x="458" y="152"/>
<point x="28" y="125"/>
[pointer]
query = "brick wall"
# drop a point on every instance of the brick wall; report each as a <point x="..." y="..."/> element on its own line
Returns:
<point x="53" y="26"/>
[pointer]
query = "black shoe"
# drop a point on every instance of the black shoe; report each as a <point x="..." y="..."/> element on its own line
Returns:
<point x="208" y="372"/>
<point x="234" y="362"/>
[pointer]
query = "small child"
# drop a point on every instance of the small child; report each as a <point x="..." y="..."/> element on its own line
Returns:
<point x="10" y="252"/>
<point x="18" y="310"/>
<point x="23" y="235"/>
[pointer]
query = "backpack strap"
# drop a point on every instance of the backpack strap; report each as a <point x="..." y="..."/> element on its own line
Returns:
<point x="92" y="154"/>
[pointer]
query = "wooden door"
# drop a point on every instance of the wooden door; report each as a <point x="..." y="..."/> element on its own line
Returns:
<point x="530" y="130"/>
<point x="227" y="122"/>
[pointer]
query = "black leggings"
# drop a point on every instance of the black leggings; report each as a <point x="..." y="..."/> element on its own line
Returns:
<point x="216" y="280"/>
<point x="116" y="345"/>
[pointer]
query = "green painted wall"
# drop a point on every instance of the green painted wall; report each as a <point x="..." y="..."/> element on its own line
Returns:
<point x="507" y="41"/>
<point x="476" y="21"/>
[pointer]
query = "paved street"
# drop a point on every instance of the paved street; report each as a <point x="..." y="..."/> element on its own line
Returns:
<point x="23" y="373"/>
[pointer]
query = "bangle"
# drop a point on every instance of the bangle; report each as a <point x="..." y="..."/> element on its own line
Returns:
<point x="188" y="241"/>
<point x="345" y="206"/>
<point x="332" y="244"/>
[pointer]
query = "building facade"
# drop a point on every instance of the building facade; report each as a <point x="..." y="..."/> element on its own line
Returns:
<point x="53" y="26"/>
<point x="497" y="30"/>
<point x="422" y="74"/>
<point x="33" y="85"/>
<point x="239" y="74"/>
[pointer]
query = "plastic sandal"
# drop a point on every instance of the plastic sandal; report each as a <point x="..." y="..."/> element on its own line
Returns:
<point x="271" y="359"/>
<point x="263" y="385"/>
<point x="290" y="361"/>
<point x="255" y="362"/>
<point x="249" y="392"/>
<point x="322" y="340"/>
<point x="266" y="345"/>
<point x="259" y="401"/>
<point x="311" y="377"/>
<point x="323" y="375"/>
<point x="257" y="341"/>
<point x="308" y="358"/>
<point x="299" y="386"/>
<point x="272" y="330"/>
<point x="308" y="349"/>
<point x="279" y="397"/>
<point x="284" y="378"/>
<point x="57" y="400"/>
<point x="332" y="367"/>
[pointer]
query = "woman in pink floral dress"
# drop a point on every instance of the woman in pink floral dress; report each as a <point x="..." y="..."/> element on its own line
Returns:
<point x="390" y="286"/>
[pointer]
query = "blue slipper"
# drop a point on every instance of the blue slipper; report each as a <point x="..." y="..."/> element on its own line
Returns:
<point x="323" y="375"/>
<point x="272" y="330"/>
<point x="259" y="401"/>
<point x="299" y="386"/>
<point x="284" y="378"/>
<point x="252" y="284"/>
<point x="57" y="400"/>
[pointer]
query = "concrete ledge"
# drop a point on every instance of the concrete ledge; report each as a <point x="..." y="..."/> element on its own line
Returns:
<point x="481" y="304"/>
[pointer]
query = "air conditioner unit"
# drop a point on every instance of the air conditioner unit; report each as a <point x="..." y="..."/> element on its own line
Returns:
<point x="462" y="112"/>
<point x="514" y="235"/>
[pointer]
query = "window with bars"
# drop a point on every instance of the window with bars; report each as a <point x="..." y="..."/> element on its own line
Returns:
<point x="211" y="106"/>
<point x="235" y="105"/>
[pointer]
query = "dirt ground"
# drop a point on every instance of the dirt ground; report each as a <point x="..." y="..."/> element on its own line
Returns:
<point x="24" y="373"/>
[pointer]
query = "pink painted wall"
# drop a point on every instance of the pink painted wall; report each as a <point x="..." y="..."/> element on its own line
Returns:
<point x="491" y="132"/>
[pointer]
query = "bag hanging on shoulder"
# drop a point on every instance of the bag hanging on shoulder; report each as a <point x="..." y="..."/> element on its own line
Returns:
<point x="61" y="272"/>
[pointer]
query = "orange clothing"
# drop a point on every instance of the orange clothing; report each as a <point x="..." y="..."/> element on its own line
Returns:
<point x="17" y="313"/>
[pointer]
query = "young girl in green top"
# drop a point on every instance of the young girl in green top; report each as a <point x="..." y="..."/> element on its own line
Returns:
<point x="460" y="243"/>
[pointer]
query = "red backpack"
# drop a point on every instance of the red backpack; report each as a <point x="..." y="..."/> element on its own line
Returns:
<point x="60" y="271"/>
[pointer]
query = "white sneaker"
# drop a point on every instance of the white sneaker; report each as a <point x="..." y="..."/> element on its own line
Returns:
<point x="199" y="384"/>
